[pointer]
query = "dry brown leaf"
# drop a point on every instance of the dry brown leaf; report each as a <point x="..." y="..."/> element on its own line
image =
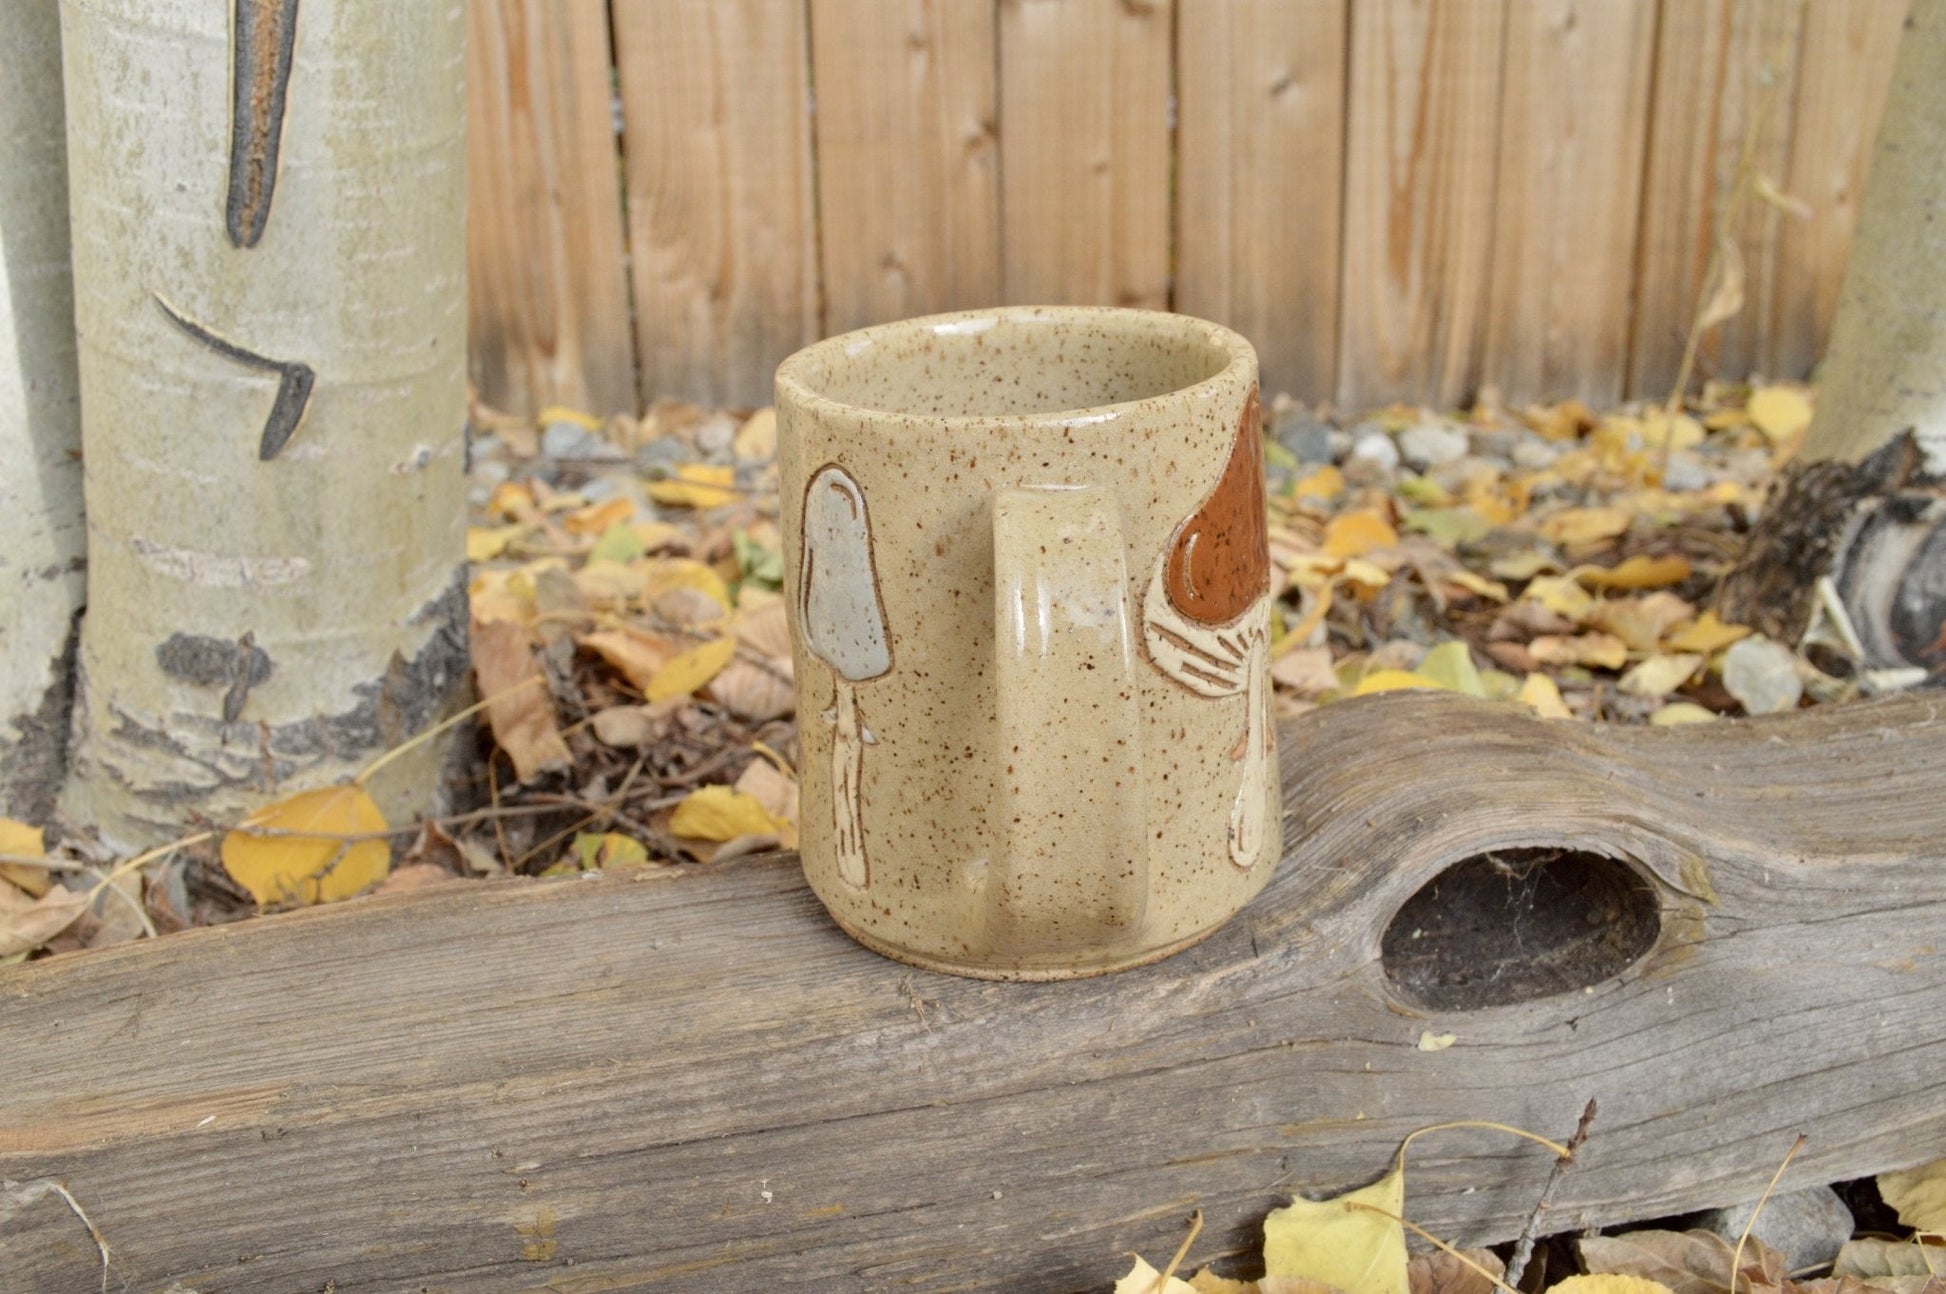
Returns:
<point x="631" y="727"/>
<point x="756" y="685"/>
<point x="28" y="842"/>
<point x="1687" y="1262"/>
<point x="1439" y="1272"/>
<point x="413" y="876"/>
<point x="1919" y="1196"/>
<point x="1871" y="1285"/>
<point x="1528" y="619"/>
<point x="519" y="710"/>
<point x="1659" y="675"/>
<point x="637" y="656"/>
<point x="1604" y="651"/>
<point x="1208" y="1282"/>
<point x="1294" y="1285"/>
<point x="1637" y="572"/>
<point x="1642" y="621"/>
<point x="1306" y="671"/>
<point x="1872" y="1259"/>
<point x="26" y="929"/>
<point x="1539" y="692"/>
<point x="777" y="792"/>
<point x="1582" y="527"/>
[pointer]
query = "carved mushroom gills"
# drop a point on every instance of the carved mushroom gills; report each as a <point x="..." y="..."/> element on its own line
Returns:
<point x="843" y="624"/>
<point x="1215" y="576"/>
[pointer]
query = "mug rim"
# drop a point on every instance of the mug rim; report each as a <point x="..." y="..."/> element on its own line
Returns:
<point x="791" y="382"/>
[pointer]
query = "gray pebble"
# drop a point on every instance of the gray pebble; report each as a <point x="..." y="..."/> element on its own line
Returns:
<point x="1808" y="1227"/>
<point x="716" y="434"/>
<point x="1426" y="444"/>
<point x="1377" y="449"/>
<point x="1307" y="439"/>
<point x="658" y="457"/>
<point x="1685" y="472"/>
<point x="568" y="441"/>
<point x="1535" y="453"/>
<point x="1497" y="442"/>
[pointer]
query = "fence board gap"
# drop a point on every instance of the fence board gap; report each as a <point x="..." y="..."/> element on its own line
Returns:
<point x="1085" y="151"/>
<point x="1260" y="176"/>
<point x="1568" y="197"/>
<point x="722" y="228"/>
<point x="549" y="309"/>
<point x="908" y="163"/>
<point x="1423" y="139"/>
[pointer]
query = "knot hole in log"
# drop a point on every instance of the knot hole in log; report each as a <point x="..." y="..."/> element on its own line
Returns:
<point x="1513" y="925"/>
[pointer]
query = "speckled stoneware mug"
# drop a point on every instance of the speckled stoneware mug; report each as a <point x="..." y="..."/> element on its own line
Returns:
<point x="1029" y="592"/>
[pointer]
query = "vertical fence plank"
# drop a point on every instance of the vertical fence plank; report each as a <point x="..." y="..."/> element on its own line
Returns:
<point x="1085" y="151"/>
<point x="1423" y="139"/>
<point x="717" y="138"/>
<point x="1260" y="177"/>
<point x="1713" y="58"/>
<point x="548" y="311"/>
<point x="1576" y="91"/>
<point x="1841" y="90"/>
<point x="908" y="170"/>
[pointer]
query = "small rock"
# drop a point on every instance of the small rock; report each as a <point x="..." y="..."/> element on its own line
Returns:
<point x="716" y="435"/>
<point x="1762" y="675"/>
<point x="1808" y="1227"/>
<point x="1498" y="442"/>
<point x="569" y="441"/>
<point x="1685" y="473"/>
<point x="656" y="457"/>
<point x="1377" y="449"/>
<point x="1426" y="444"/>
<point x="1307" y="439"/>
<point x="1340" y="444"/>
<point x="600" y="489"/>
<point x="1534" y="454"/>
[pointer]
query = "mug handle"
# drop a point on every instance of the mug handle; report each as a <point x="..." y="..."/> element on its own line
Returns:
<point x="1070" y="869"/>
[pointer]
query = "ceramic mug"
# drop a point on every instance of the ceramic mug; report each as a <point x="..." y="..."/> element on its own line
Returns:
<point x="1029" y="592"/>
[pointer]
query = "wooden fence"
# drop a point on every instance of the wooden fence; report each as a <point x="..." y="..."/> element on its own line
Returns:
<point x="1395" y="199"/>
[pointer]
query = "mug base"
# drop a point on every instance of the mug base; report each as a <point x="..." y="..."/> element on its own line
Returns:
<point x="1027" y="973"/>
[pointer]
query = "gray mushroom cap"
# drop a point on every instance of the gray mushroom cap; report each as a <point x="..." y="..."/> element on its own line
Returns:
<point x="840" y="615"/>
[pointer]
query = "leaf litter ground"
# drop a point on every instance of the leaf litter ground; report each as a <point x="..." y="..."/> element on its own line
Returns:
<point x="629" y="636"/>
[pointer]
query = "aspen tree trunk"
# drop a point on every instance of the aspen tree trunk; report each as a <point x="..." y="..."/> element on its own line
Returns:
<point x="269" y="284"/>
<point x="42" y="537"/>
<point x="1865" y="501"/>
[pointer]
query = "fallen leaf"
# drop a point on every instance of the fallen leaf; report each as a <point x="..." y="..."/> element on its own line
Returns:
<point x="601" y="518"/>
<point x="1450" y="665"/>
<point x="26" y="842"/>
<point x="1359" y="1250"/>
<point x="1527" y="619"/>
<point x="1306" y="671"/>
<point x="637" y="656"/>
<point x="1324" y="485"/>
<point x="1144" y="1279"/>
<point x="1440" y="1272"/>
<point x="484" y="543"/>
<point x="1580" y="527"/>
<point x="1562" y="595"/>
<point x="1654" y="429"/>
<point x="1393" y="680"/>
<point x="1539" y="692"/>
<point x="1677" y="713"/>
<point x="1871" y="1258"/>
<point x="1642" y="621"/>
<point x="1660" y="675"/>
<point x="1601" y="650"/>
<point x="413" y="876"/>
<point x="1725" y="296"/>
<point x="565" y="413"/>
<point x="1638" y="572"/>
<point x="1684" y="1262"/>
<point x="667" y="573"/>
<point x="1208" y="1282"/>
<point x="687" y="609"/>
<point x="756" y="439"/>
<point x="1356" y="533"/>
<point x="596" y="850"/>
<point x="620" y="543"/>
<point x="1779" y="412"/>
<point x="1294" y="1285"/>
<point x="756" y="684"/>
<point x="1707" y="635"/>
<point x="777" y="792"/>
<point x="691" y="669"/>
<point x="1450" y="527"/>
<point x="721" y="813"/>
<point x="630" y="727"/>
<point x="520" y="712"/>
<point x="696" y="485"/>
<point x="24" y="929"/>
<point x="1430" y="1041"/>
<point x="1919" y="1195"/>
<point x="1608" y="1283"/>
<point x="1762" y="676"/>
<point x="315" y="865"/>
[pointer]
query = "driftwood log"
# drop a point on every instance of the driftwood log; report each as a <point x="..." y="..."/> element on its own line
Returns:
<point x="699" y="1083"/>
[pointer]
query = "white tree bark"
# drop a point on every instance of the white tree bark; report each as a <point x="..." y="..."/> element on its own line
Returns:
<point x="42" y="537"/>
<point x="269" y="286"/>
<point x="1885" y="370"/>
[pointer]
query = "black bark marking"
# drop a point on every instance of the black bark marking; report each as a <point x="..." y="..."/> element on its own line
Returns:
<point x="216" y="662"/>
<point x="262" y="39"/>
<point x="294" y="382"/>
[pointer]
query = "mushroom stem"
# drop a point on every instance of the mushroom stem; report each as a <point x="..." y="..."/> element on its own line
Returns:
<point x="847" y="772"/>
<point x="1249" y="815"/>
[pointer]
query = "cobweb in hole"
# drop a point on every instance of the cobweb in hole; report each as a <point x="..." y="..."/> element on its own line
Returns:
<point x="1514" y="925"/>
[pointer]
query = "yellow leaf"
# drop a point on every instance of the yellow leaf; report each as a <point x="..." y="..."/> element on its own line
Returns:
<point x="756" y="439"/>
<point x="562" y="413"/>
<point x="1393" y="680"/>
<point x="691" y="669"/>
<point x="696" y="485"/>
<point x="1369" y="574"/>
<point x="1208" y="1282"/>
<point x="666" y="573"/>
<point x="1641" y="621"/>
<point x="1450" y="665"/>
<point x="1430" y="1041"/>
<point x="27" y="842"/>
<point x="1919" y="1194"/>
<point x="1144" y="1279"/>
<point x="1638" y="572"/>
<point x="1598" y="649"/>
<point x="637" y="656"/>
<point x="608" y="849"/>
<point x="596" y="518"/>
<point x="659" y="534"/>
<point x="1491" y="590"/>
<point x="1780" y="412"/>
<point x="1654" y="430"/>
<point x="315" y="866"/>
<point x="1576" y="527"/>
<point x="1608" y="1283"/>
<point x="1562" y="595"/>
<point x="1540" y="692"/>
<point x="1706" y="634"/>
<point x="484" y="543"/>
<point x="1354" y="1249"/>
<point x="721" y="813"/>
<point x="1660" y="675"/>
<point x="1325" y="484"/>
<point x="1681" y="712"/>
<point x="1356" y="533"/>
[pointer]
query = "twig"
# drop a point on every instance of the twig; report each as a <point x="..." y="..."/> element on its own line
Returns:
<point x="1524" y="1247"/>
<point x="17" y="1195"/>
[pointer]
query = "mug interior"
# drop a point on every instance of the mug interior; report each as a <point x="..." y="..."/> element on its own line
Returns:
<point x="1012" y="363"/>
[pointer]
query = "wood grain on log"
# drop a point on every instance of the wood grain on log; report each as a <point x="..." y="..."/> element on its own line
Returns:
<point x="635" y="1083"/>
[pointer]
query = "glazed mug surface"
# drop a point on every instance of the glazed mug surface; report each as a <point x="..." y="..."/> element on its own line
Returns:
<point x="1029" y="593"/>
